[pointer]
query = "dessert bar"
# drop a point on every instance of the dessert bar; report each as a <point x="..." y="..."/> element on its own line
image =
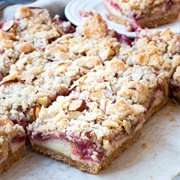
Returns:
<point x="141" y="14"/>
<point x="102" y="115"/>
<point x="12" y="143"/>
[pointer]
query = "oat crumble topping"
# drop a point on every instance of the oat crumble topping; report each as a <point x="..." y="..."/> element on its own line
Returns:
<point x="160" y="50"/>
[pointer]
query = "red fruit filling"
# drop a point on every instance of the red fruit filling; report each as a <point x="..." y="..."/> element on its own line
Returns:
<point x="21" y="122"/>
<point x="1" y="52"/>
<point x="175" y="86"/>
<point x="122" y="38"/>
<point x="159" y="87"/>
<point x="83" y="148"/>
<point x="67" y="28"/>
<point x="18" y="138"/>
<point x="175" y="89"/>
<point x="1" y="25"/>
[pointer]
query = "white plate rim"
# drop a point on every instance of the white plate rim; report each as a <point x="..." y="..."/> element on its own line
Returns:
<point x="74" y="6"/>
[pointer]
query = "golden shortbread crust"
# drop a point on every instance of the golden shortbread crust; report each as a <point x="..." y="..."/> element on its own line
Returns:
<point x="12" y="158"/>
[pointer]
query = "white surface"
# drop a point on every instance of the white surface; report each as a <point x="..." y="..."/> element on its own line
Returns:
<point x="74" y="6"/>
<point x="160" y="160"/>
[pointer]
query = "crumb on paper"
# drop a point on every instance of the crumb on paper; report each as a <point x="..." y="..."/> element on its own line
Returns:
<point x="173" y="103"/>
<point x="144" y="145"/>
<point x="156" y="114"/>
<point x="172" y="109"/>
<point x="41" y="169"/>
<point x="172" y="119"/>
<point x="176" y="175"/>
<point x="167" y="113"/>
<point x="171" y="176"/>
<point x="155" y="154"/>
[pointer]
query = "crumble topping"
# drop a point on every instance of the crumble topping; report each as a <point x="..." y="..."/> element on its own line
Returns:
<point x="158" y="50"/>
<point x="128" y="83"/>
<point x="31" y="25"/>
<point x="23" y="12"/>
<point x="40" y="75"/>
<point x="25" y="47"/>
<point x="17" y="100"/>
<point x="32" y="29"/>
<point x="94" y="106"/>
<point x="59" y="118"/>
<point x="36" y="78"/>
<point x="6" y="35"/>
<point x="8" y="129"/>
<point x="176" y="75"/>
<point x="86" y="42"/>
<point x="93" y="26"/>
